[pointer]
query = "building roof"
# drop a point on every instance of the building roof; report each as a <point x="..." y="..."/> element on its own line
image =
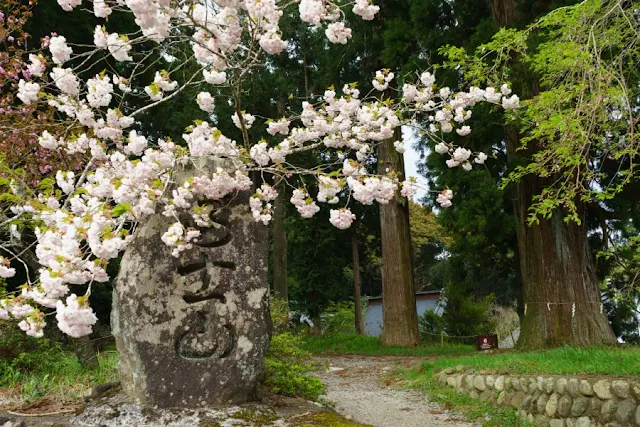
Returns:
<point x="432" y="292"/>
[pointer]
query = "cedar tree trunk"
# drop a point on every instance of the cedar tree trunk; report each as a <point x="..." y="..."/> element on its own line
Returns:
<point x="399" y="317"/>
<point x="555" y="261"/>
<point x="357" y="298"/>
<point x="280" y="284"/>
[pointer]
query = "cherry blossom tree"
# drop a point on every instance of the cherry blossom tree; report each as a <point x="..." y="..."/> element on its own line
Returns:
<point x="124" y="177"/>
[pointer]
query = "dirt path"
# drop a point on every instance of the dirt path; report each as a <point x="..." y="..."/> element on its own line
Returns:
<point x="356" y="385"/>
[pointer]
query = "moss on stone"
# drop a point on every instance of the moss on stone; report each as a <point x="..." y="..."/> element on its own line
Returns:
<point x="255" y="417"/>
<point x="322" y="419"/>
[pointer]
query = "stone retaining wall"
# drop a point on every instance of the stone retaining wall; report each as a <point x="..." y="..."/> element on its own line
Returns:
<point x="559" y="401"/>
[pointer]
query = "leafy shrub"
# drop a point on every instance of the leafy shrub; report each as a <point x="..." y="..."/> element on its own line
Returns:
<point x="287" y="364"/>
<point x="279" y="309"/>
<point x="504" y="319"/>
<point x="21" y="354"/>
<point x="40" y="367"/>
<point x="467" y="315"/>
<point x="339" y="318"/>
<point x="430" y="326"/>
<point x="287" y="368"/>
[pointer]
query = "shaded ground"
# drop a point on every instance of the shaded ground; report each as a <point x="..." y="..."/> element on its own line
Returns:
<point x="114" y="410"/>
<point x="361" y="388"/>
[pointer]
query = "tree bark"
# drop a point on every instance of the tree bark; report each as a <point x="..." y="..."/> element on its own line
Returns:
<point x="280" y="282"/>
<point x="83" y="348"/>
<point x="357" y="298"/>
<point x="559" y="284"/>
<point x="399" y="317"/>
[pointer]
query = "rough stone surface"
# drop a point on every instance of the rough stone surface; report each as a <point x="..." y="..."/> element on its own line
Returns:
<point x="635" y="389"/>
<point x="621" y="389"/>
<point x="541" y="420"/>
<point x="193" y="331"/>
<point x="585" y="388"/>
<point x="501" y="398"/>
<point x="561" y="386"/>
<point x="479" y="384"/>
<point x="515" y="383"/>
<point x="534" y="399"/>
<point x="508" y="383"/>
<point x="451" y="381"/>
<point x="491" y="382"/>
<point x="486" y="395"/>
<point x="596" y="404"/>
<point x="469" y="381"/>
<point x="561" y="400"/>
<point x="517" y="399"/>
<point x="583" y="422"/>
<point x="556" y="422"/>
<point x="564" y="406"/>
<point x="579" y="406"/>
<point x="541" y="404"/>
<point x="625" y="411"/>
<point x="573" y="387"/>
<point x="552" y="405"/>
<point x="602" y="389"/>
<point x="608" y="409"/>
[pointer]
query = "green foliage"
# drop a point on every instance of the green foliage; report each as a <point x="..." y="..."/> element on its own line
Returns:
<point x="370" y="346"/>
<point x="430" y="327"/>
<point x="505" y="320"/>
<point x="466" y="315"/>
<point x="279" y="309"/>
<point x="287" y="364"/>
<point x="38" y="367"/>
<point x="287" y="369"/>
<point x="339" y="318"/>
<point x="577" y="67"/>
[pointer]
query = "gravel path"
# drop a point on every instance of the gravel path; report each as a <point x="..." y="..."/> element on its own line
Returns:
<point x="356" y="385"/>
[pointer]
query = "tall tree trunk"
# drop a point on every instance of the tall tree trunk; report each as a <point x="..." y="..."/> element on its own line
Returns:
<point x="559" y="284"/>
<point x="399" y="317"/>
<point x="280" y="283"/>
<point x="85" y="350"/>
<point x="357" y="298"/>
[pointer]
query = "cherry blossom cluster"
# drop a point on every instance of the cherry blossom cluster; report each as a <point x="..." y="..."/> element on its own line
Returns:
<point x="260" y="203"/>
<point x="444" y="198"/>
<point x="305" y="205"/>
<point x="126" y="176"/>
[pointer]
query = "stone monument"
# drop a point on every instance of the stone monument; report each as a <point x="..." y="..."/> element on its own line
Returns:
<point x="193" y="331"/>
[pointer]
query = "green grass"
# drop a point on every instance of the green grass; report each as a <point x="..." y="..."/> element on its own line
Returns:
<point x="370" y="346"/>
<point x="59" y="374"/>
<point x="618" y="360"/>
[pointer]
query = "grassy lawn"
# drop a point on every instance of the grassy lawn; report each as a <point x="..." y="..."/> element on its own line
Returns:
<point x="619" y="360"/>
<point x="370" y="346"/>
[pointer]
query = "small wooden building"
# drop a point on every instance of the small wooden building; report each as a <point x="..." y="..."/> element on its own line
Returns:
<point x="425" y="300"/>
